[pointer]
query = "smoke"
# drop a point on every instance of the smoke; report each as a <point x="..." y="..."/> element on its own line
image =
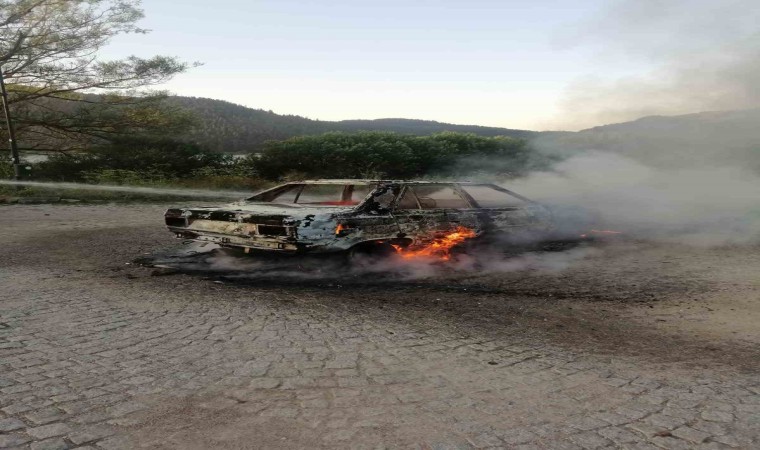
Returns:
<point x="691" y="179"/>
<point x="702" y="54"/>
<point x="131" y="189"/>
<point x="334" y="270"/>
<point x="542" y="262"/>
<point x="694" y="205"/>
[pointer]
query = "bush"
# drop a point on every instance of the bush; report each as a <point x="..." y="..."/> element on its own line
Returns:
<point x="147" y="157"/>
<point x="146" y="161"/>
<point x="221" y="182"/>
<point x="6" y="170"/>
<point x="125" y="177"/>
<point x="392" y="155"/>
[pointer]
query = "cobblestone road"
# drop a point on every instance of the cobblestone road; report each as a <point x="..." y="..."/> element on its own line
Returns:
<point x="97" y="354"/>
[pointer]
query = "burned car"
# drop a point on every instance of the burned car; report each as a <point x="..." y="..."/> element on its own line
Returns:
<point x="360" y="216"/>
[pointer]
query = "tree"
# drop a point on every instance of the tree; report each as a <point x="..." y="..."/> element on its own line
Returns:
<point x="63" y="96"/>
<point x="390" y="155"/>
<point x="162" y="157"/>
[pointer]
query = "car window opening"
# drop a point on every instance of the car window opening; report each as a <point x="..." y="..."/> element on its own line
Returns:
<point x="316" y="194"/>
<point x="434" y="196"/>
<point x="489" y="197"/>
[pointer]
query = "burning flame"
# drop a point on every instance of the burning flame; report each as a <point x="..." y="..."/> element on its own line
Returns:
<point x="597" y="232"/>
<point x="440" y="247"/>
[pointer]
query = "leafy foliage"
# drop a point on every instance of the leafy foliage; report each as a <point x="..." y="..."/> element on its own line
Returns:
<point x="150" y="158"/>
<point x="6" y="169"/>
<point x="391" y="155"/>
<point x="154" y="161"/>
<point x="48" y="52"/>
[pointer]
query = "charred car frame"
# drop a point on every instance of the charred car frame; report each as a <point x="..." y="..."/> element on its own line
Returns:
<point x="326" y="216"/>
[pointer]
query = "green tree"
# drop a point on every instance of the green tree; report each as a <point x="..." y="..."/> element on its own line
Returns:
<point x="145" y="156"/>
<point x="392" y="155"/>
<point x="471" y="155"/>
<point x="49" y="55"/>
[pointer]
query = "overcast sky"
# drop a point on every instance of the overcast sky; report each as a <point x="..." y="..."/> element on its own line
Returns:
<point x="488" y="62"/>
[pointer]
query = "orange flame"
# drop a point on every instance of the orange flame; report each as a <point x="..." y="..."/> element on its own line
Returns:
<point x="440" y="247"/>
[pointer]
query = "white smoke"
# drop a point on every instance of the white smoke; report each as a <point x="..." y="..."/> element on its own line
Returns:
<point x="693" y="179"/>
<point x="334" y="270"/>
<point x="701" y="55"/>
<point x="702" y="206"/>
<point x="543" y="262"/>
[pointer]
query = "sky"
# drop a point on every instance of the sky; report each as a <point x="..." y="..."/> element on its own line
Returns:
<point x="514" y="64"/>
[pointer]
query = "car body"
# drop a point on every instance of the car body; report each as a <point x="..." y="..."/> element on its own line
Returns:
<point x="325" y="216"/>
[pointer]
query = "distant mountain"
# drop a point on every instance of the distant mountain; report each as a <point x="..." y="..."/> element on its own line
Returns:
<point x="706" y="139"/>
<point x="230" y="128"/>
<point x="703" y="139"/>
<point x="423" y="127"/>
<point x="693" y="140"/>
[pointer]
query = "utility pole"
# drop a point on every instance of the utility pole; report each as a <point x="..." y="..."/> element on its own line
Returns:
<point x="11" y="131"/>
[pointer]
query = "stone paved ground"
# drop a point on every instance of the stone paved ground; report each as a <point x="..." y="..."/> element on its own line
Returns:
<point x="95" y="353"/>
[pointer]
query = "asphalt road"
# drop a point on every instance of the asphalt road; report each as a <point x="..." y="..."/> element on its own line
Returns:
<point x="624" y="344"/>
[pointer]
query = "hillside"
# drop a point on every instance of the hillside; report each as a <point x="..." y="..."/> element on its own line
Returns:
<point x="704" y="139"/>
<point x="227" y="127"/>
<point x="423" y="127"/>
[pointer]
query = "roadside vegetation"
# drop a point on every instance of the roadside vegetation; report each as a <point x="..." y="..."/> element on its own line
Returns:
<point x="162" y="162"/>
<point x="395" y="156"/>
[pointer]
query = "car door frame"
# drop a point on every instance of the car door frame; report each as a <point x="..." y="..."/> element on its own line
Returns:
<point x="507" y="219"/>
<point x="421" y="226"/>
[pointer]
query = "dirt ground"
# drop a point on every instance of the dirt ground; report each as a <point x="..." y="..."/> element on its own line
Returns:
<point x="621" y="343"/>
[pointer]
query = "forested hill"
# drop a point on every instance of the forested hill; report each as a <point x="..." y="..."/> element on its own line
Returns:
<point x="423" y="127"/>
<point x="706" y="139"/>
<point x="230" y="128"/>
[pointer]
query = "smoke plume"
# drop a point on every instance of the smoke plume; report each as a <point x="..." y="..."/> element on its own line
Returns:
<point x="703" y="54"/>
<point x="693" y="178"/>
<point x="693" y="205"/>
